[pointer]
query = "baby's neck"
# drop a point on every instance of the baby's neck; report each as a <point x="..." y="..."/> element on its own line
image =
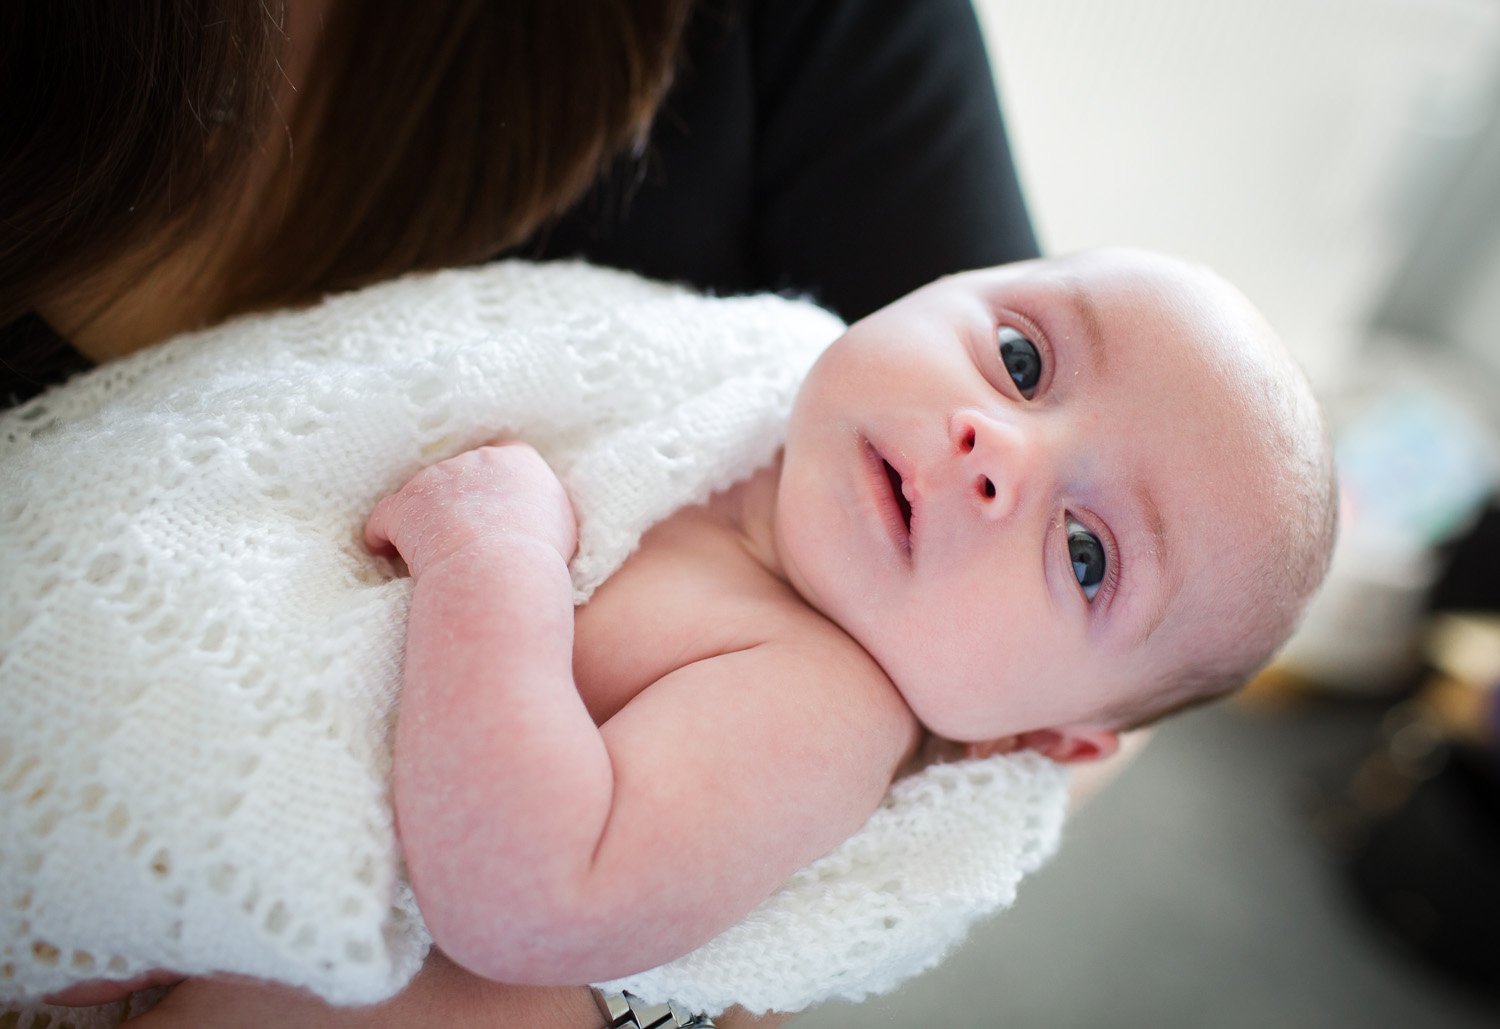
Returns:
<point x="748" y="508"/>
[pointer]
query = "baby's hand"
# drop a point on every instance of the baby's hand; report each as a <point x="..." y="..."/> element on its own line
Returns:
<point x="478" y="497"/>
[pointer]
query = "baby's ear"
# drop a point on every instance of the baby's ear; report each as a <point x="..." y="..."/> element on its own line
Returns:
<point x="1072" y="744"/>
<point x="1069" y="745"/>
<point x="989" y="748"/>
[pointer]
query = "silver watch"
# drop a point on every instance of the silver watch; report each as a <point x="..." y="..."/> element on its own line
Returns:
<point x="627" y="1011"/>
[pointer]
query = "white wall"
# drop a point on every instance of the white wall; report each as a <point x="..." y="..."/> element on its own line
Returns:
<point x="1289" y="143"/>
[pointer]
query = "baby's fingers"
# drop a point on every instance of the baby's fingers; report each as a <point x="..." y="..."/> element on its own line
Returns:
<point x="380" y="527"/>
<point x="489" y="495"/>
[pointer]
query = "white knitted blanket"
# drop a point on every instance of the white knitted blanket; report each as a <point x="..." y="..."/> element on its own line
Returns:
<point x="199" y="661"/>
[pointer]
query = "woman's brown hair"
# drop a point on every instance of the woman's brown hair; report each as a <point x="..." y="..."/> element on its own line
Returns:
<point x="429" y="135"/>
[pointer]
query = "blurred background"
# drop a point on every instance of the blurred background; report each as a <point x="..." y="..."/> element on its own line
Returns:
<point x="1325" y="850"/>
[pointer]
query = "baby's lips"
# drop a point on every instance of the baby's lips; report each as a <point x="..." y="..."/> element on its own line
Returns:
<point x="914" y="509"/>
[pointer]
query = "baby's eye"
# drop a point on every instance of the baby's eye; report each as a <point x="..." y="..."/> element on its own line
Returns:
<point x="1021" y="360"/>
<point x="1087" y="555"/>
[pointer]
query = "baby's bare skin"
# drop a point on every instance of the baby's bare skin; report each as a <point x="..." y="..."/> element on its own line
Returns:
<point x="1013" y="509"/>
<point x="694" y="662"/>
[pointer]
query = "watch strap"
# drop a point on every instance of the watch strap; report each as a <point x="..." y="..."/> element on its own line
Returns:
<point x="627" y="1011"/>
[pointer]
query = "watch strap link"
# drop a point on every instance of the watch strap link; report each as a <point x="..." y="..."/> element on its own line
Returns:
<point x="627" y="1011"/>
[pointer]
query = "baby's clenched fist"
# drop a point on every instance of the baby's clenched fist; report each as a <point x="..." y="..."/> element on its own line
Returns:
<point x="484" y="497"/>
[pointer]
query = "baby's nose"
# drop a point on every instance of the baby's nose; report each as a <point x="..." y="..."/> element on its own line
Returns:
<point x="997" y="458"/>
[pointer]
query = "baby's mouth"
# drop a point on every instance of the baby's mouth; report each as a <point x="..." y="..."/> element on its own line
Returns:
<point x="894" y="477"/>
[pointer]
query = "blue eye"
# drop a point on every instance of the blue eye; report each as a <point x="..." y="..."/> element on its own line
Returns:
<point x="1087" y="555"/>
<point x="1022" y="362"/>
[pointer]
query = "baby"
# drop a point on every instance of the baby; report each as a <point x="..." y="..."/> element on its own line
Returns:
<point x="1026" y="507"/>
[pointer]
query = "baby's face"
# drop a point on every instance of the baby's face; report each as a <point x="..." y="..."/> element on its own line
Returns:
<point x="1029" y="492"/>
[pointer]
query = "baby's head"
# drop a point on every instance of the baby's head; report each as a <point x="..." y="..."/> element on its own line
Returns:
<point x="1059" y="499"/>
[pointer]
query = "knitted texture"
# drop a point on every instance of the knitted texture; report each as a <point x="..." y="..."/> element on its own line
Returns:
<point x="947" y="848"/>
<point x="199" y="661"/>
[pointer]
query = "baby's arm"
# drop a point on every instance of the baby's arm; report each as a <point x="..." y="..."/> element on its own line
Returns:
<point x="546" y="850"/>
<point x="493" y="742"/>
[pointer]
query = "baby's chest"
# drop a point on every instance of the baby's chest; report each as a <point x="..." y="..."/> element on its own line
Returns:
<point x="688" y="593"/>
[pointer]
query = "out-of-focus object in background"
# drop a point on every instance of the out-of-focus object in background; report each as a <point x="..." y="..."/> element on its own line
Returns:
<point x="1414" y="471"/>
<point x="1461" y="698"/>
<point x="1424" y="857"/>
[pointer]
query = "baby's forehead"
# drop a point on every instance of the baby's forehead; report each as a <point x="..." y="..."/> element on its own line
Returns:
<point x="1188" y="296"/>
<point x="1132" y="263"/>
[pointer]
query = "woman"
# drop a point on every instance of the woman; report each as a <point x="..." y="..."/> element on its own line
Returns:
<point x="168" y="164"/>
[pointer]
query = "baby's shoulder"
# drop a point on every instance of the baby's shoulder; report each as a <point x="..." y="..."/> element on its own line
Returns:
<point x="690" y="576"/>
<point x="692" y="593"/>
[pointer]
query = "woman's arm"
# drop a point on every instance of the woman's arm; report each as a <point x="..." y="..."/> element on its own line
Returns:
<point x="442" y="994"/>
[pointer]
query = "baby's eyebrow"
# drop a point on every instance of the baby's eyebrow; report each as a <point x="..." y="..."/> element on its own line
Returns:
<point x="1086" y="314"/>
<point x="1160" y="551"/>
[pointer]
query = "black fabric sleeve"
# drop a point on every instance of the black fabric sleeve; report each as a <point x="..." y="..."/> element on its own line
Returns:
<point x="882" y="160"/>
<point x="846" y="149"/>
<point x="32" y="358"/>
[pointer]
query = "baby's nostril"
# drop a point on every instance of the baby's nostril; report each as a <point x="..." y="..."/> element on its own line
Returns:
<point x="968" y="441"/>
<point x="987" y="488"/>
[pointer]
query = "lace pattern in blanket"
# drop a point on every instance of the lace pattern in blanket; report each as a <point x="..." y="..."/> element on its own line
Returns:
<point x="198" y="659"/>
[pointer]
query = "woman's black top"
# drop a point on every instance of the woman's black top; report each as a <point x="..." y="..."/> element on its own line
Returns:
<point x="848" y="150"/>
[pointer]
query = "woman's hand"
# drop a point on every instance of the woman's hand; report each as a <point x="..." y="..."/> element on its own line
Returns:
<point x="442" y="994"/>
<point x="107" y="991"/>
